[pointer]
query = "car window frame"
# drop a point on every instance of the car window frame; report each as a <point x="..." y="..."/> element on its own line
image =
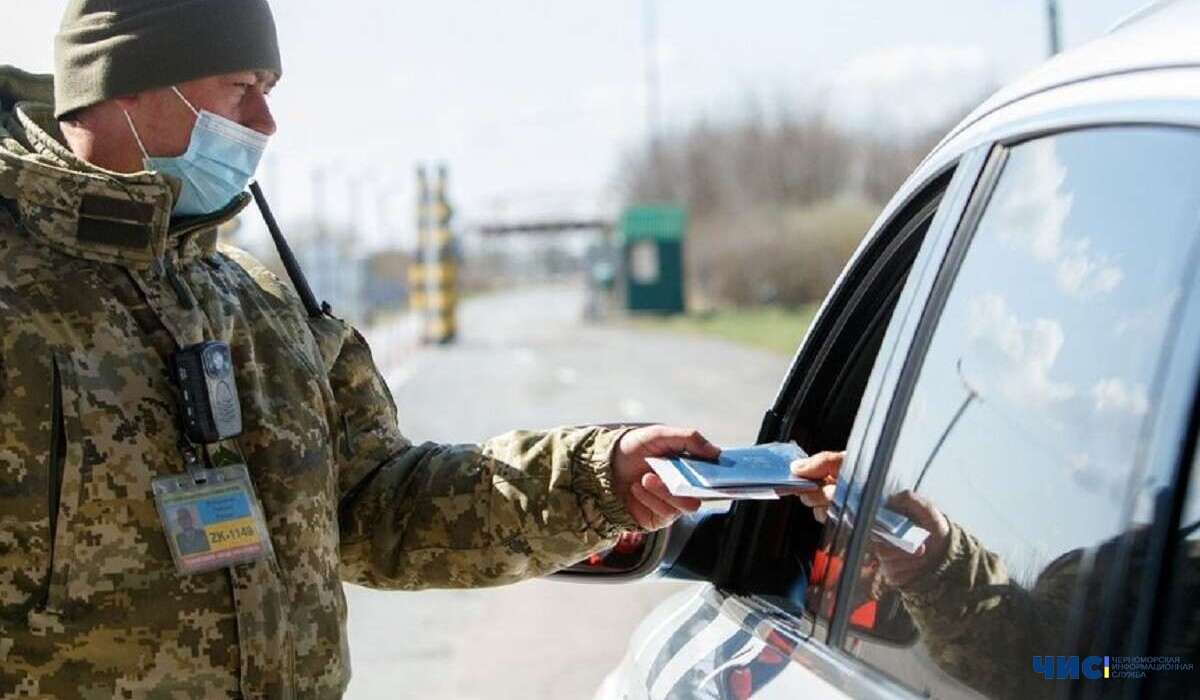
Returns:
<point x="827" y="329"/>
<point x="830" y="662"/>
<point x="897" y="343"/>
<point x="947" y="187"/>
<point x="1160" y="437"/>
<point x="1170" y="457"/>
<point x="897" y="380"/>
<point x="835" y="344"/>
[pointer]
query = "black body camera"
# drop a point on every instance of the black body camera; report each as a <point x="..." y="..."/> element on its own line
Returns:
<point x="208" y="389"/>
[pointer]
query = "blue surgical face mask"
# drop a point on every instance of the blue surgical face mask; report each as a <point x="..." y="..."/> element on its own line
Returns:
<point x="219" y="163"/>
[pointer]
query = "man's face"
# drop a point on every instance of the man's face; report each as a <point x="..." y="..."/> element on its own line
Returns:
<point x="165" y="122"/>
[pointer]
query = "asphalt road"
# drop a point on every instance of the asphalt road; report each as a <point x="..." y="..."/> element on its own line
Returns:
<point x="525" y="360"/>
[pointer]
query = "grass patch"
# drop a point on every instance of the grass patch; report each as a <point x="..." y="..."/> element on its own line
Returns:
<point x="775" y="329"/>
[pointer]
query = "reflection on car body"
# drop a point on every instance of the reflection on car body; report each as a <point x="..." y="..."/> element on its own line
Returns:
<point x="1010" y="359"/>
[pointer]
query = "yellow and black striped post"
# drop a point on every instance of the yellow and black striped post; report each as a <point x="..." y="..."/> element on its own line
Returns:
<point x="433" y="278"/>
<point x="443" y="268"/>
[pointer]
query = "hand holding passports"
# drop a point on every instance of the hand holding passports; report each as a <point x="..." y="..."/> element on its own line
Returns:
<point x="763" y="472"/>
<point x="759" y="472"/>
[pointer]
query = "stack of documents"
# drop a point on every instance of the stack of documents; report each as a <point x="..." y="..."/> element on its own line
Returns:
<point x="759" y="472"/>
<point x="764" y="472"/>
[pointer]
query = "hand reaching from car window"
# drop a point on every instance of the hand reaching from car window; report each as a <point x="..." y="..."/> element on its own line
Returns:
<point x="823" y="468"/>
<point x="642" y="491"/>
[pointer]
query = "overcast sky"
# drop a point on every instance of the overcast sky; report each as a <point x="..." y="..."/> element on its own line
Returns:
<point x="531" y="103"/>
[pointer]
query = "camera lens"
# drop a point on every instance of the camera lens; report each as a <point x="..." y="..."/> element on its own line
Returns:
<point x="217" y="361"/>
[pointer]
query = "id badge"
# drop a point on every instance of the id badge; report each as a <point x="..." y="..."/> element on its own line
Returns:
<point x="212" y="519"/>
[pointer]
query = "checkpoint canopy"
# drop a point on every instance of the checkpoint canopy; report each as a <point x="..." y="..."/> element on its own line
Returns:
<point x="651" y="238"/>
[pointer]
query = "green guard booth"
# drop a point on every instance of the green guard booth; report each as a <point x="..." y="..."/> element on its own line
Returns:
<point x="652" y="252"/>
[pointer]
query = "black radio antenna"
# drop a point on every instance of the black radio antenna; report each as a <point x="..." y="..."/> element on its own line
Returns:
<point x="299" y="281"/>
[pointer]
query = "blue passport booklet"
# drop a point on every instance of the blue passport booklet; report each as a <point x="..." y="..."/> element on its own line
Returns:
<point x="762" y="471"/>
<point x="747" y="467"/>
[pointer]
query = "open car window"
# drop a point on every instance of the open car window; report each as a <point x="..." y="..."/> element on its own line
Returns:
<point x="774" y="542"/>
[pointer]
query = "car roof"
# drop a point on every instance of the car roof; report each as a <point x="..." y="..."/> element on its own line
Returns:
<point x="1161" y="35"/>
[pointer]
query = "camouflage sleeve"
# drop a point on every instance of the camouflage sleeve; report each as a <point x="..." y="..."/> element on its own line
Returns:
<point x="420" y="516"/>
<point x="982" y="627"/>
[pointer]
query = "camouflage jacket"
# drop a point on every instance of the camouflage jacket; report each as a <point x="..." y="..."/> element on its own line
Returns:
<point x="98" y="287"/>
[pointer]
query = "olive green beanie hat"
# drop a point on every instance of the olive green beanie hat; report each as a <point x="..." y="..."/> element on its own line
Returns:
<point x="113" y="48"/>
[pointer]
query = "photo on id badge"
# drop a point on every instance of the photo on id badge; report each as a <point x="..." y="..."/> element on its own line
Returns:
<point x="189" y="537"/>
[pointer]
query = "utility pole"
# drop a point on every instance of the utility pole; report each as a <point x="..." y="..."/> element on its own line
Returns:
<point x="652" y="77"/>
<point x="1055" y="23"/>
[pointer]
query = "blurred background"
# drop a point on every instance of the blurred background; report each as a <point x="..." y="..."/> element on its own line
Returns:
<point x="546" y="213"/>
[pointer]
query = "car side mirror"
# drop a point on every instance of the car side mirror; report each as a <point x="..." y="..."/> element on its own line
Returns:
<point x="687" y="550"/>
<point x="634" y="556"/>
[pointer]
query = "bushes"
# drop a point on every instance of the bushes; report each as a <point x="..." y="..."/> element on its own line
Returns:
<point x="775" y="255"/>
<point x="778" y="203"/>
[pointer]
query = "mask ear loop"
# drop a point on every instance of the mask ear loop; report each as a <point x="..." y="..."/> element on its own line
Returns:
<point x="136" y="136"/>
<point x="185" y="101"/>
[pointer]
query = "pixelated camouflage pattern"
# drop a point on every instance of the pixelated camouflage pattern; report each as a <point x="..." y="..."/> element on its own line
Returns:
<point x="983" y="628"/>
<point x="90" y="604"/>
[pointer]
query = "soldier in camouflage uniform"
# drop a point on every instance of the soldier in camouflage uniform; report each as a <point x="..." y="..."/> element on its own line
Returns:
<point x="102" y="281"/>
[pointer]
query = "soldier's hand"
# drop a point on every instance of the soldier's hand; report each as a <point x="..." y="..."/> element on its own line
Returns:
<point x="644" y="494"/>
<point x="899" y="568"/>
<point x="822" y="468"/>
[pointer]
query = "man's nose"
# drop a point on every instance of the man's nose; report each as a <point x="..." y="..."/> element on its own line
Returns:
<point x="259" y="116"/>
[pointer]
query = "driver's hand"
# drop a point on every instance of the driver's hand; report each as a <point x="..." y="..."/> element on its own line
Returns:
<point x="823" y="468"/>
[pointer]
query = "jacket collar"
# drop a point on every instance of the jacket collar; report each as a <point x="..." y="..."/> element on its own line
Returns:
<point x="91" y="213"/>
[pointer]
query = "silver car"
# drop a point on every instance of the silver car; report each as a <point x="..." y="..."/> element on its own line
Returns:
<point x="1011" y="362"/>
